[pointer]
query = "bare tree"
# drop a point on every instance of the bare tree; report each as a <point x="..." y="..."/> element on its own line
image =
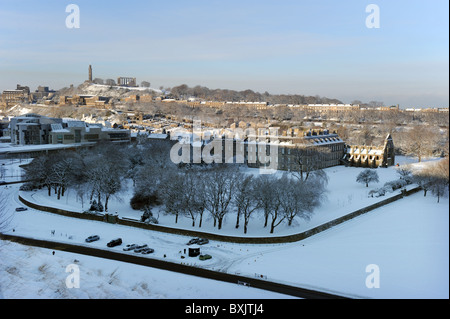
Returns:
<point x="424" y="180"/>
<point x="307" y="161"/>
<point x="300" y="198"/>
<point x="219" y="192"/>
<point x="275" y="206"/>
<point x="269" y="195"/>
<point x="62" y="172"/>
<point x="245" y="200"/>
<point x="200" y="197"/>
<point x="420" y="141"/>
<point x="290" y="200"/>
<point x="38" y="173"/>
<point x="366" y="136"/>
<point x="263" y="193"/>
<point x="439" y="187"/>
<point x="104" y="169"/>
<point x="192" y="197"/>
<point x="170" y="191"/>
<point x="435" y="178"/>
<point x="405" y="174"/>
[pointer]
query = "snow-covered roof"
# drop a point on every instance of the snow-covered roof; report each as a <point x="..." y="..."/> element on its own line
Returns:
<point x="323" y="140"/>
<point x="58" y="128"/>
<point x="76" y="124"/>
<point x="157" y="136"/>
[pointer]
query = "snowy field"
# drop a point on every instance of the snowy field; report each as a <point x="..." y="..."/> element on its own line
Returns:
<point x="34" y="273"/>
<point x="343" y="196"/>
<point x="407" y="240"/>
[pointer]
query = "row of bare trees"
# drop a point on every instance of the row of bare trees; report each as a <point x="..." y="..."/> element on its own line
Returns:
<point x="184" y="91"/>
<point x="216" y="191"/>
<point x="221" y="191"/>
<point x="96" y="173"/>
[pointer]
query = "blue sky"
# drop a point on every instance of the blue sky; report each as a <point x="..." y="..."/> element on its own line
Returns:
<point x="320" y="47"/>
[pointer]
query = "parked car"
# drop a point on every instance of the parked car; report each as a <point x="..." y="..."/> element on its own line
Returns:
<point x="21" y="209"/>
<point x="205" y="257"/>
<point x="147" y="251"/>
<point x="202" y="241"/>
<point x="193" y="241"/>
<point x="115" y="242"/>
<point x="130" y="247"/>
<point x="140" y="248"/>
<point x="92" y="238"/>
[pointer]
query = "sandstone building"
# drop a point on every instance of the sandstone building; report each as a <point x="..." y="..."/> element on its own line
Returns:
<point x="298" y="151"/>
<point x="371" y="156"/>
<point x="20" y="95"/>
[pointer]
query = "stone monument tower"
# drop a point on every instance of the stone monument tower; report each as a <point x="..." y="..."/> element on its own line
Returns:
<point x="90" y="73"/>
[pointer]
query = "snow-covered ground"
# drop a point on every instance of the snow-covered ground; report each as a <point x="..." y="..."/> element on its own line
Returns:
<point x="407" y="240"/>
<point x="34" y="273"/>
<point x="344" y="195"/>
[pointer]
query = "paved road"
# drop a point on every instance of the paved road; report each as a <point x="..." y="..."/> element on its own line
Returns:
<point x="170" y="266"/>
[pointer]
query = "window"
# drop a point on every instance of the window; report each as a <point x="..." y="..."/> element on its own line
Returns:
<point x="68" y="137"/>
<point x="91" y="137"/>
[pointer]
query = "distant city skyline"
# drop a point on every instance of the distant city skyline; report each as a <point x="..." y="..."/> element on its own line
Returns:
<point x="284" y="47"/>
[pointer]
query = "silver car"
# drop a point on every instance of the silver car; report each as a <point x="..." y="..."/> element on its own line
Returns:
<point x="130" y="247"/>
<point x="90" y="239"/>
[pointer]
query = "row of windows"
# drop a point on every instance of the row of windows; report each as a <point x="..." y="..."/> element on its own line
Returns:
<point x="289" y="150"/>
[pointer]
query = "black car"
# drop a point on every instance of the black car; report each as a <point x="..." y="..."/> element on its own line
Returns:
<point x="92" y="238"/>
<point x="21" y="209"/>
<point x="115" y="242"/>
